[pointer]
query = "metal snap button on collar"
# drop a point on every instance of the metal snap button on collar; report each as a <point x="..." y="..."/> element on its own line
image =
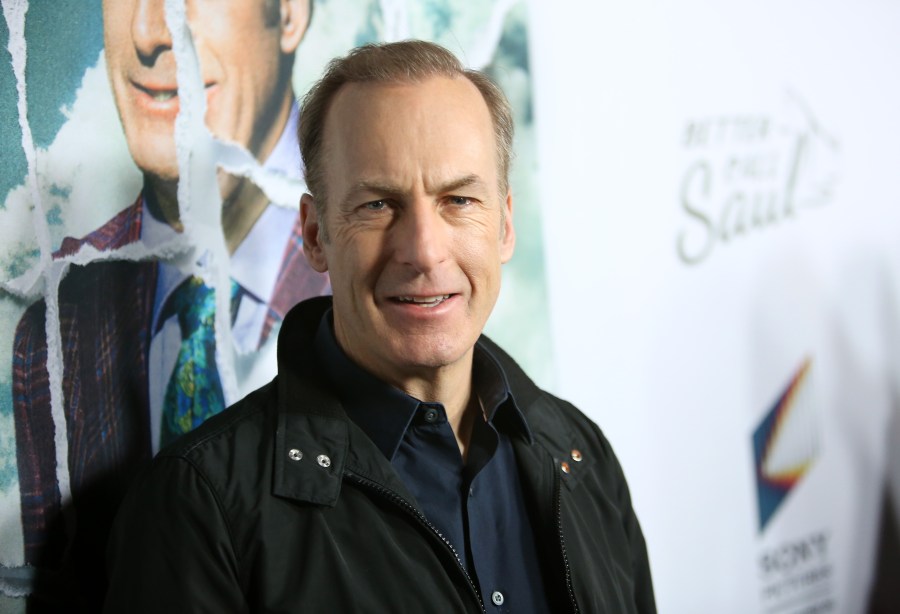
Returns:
<point x="323" y="461"/>
<point x="294" y="454"/>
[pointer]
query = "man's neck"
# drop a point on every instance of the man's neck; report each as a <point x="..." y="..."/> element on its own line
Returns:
<point x="242" y="209"/>
<point x="163" y="201"/>
<point x="242" y="200"/>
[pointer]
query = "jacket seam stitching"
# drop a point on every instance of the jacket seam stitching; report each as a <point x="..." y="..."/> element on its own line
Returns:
<point x="221" y="508"/>
<point x="183" y="453"/>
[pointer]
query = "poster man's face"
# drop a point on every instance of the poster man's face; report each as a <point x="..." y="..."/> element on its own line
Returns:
<point x="243" y="46"/>
<point x="417" y="227"/>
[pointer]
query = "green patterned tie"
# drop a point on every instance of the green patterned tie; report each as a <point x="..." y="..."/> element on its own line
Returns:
<point x="194" y="392"/>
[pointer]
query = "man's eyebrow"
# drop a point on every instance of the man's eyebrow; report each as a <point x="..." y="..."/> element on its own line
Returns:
<point x="377" y="187"/>
<point x="381" y="187"/>
<point x="462" y="182"/>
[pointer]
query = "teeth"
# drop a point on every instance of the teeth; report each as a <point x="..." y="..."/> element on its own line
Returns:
<point x="428" y="301"/>
<point x="163" y="96"/>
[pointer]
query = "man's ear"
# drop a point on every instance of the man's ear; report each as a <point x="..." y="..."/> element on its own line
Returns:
<point x="313" y="245"/>
<point x="294" y="21"/>
<point x="508" y="231"/>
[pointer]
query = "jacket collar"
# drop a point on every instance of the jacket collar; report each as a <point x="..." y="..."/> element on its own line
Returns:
<point x="315" y="441"/>
<point x="385" y="413"/>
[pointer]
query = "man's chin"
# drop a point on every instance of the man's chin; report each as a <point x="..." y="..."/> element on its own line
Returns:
<point x="154" y="152"/>
<point x="431" y="355"/>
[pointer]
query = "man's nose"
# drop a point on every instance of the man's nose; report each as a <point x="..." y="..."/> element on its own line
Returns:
<point x="422" y="236"/>
<point x="149" y="31"/>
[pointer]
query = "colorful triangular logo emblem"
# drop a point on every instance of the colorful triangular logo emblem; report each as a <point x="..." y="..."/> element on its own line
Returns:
<point x="785" y="444"/>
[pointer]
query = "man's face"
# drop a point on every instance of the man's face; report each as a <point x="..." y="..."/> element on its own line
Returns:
<point x="242" y="46"/>
<point x="417" y="227"/>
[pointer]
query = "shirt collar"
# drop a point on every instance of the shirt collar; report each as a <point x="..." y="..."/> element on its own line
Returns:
<point x="384" y="413"/>
<point x="285" y="157"/>
<point x="153" y="234"/>
<point x="255" y="264"/>
<point x="153" y="231"/>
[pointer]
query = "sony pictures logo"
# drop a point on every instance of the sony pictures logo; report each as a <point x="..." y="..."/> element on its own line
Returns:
<point x="746" y="173"/>
<point x="795" y="570"/>
<point x="797" y="575"/>
<point x="785" y="444"/>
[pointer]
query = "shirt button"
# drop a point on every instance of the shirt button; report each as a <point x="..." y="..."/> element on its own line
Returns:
<point x="431" y="415"/>
<point x="497" y="598"/>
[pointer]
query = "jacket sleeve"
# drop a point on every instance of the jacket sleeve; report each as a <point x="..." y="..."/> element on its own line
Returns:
<point x="643" y="584"/>
<point x="607" y="511"/>
<point x="171" y="549"/>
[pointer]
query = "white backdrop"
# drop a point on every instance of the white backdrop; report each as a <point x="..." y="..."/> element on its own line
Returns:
<point x="721" y="203"/>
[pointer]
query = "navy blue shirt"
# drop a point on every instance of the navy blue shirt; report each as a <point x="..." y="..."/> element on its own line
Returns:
<point x="477" y="505"/>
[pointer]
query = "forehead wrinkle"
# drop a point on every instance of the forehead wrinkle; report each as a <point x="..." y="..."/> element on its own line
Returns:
<point x="389" y="188"/>
<point x="463" y="182"/>
<point x="377" y="186"/>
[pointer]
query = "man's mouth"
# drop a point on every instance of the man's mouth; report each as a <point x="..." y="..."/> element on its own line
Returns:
<point x="158" y="95"/>
<point x="163" y="94"/>
<point x="423" y="301"/>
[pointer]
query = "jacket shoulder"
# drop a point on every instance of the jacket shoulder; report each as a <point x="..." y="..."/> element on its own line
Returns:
<point x="248" y="425"/>
<point x="556" y="423"/>
<point x="209" y="481"/>
<point x="122" y="229"/>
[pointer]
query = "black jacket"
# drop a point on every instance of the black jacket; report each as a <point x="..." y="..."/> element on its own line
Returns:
<point x="281" y="504"/>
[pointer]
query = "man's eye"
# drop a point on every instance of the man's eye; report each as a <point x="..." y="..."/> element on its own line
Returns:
<point x="376" y="205"/>
<point x="459" y="200"/>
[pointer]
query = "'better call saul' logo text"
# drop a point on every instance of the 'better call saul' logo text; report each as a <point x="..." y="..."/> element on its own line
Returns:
<point x="746" y="173"/>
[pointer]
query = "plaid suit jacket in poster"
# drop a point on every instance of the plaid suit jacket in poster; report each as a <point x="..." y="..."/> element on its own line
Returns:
<point x="105" y="316"/>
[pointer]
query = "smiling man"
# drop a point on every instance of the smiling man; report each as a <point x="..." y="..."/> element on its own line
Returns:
<point x="138" y="345"/>
<point x="400" y="461"/>
<point x="246" y="53"/>
<point x="413" y="234"/>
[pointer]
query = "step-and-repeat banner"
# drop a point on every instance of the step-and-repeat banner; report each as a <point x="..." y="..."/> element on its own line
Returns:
<point x="722" y="224"/>
<point x="710" y="187"/>
<point x="149" y="245"/>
